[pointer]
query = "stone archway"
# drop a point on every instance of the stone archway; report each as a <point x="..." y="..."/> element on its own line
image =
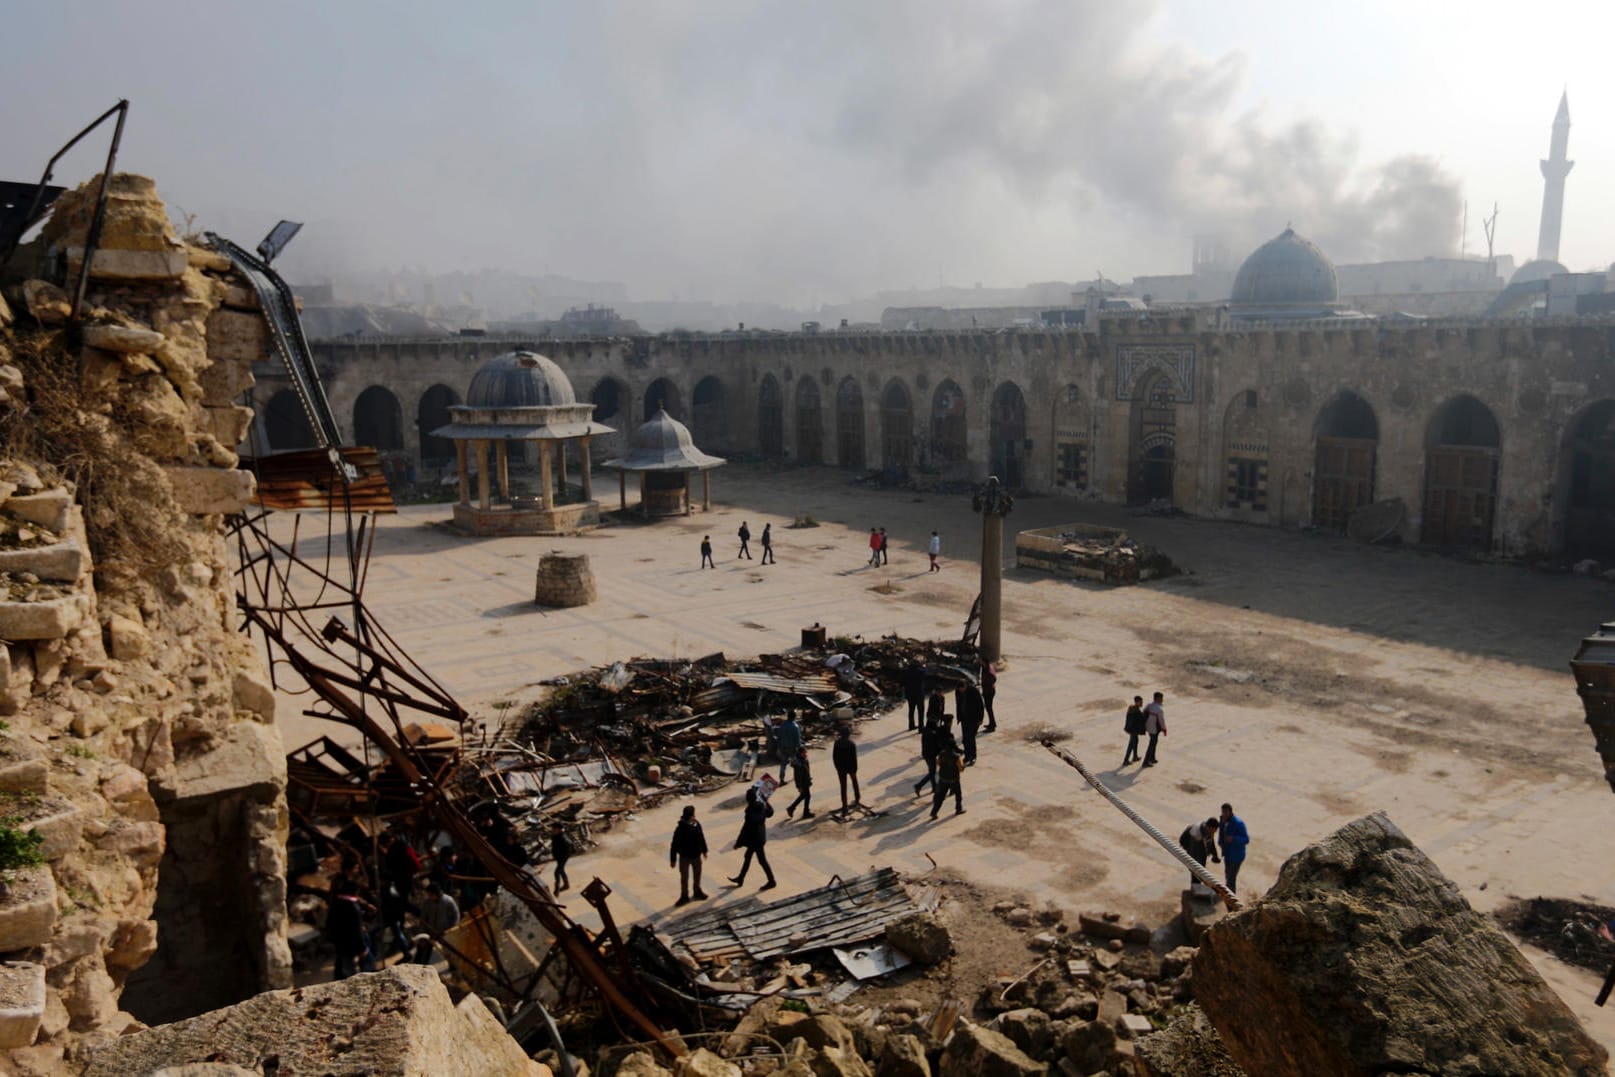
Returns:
<point x="809" y="424"/>
<point x="378" y="420"/>
<point x="1153" y="442"/>
<point x="950" y="439"/>
<point x="770" y="419"/>
<point x="663" y="394"/>
<point x="1347" y="437"/>
<point x="432" y="413"/>
<point x="709" y="422"/>
<point x="610" y="397"/>
<point x="849" y="424"/>
<point x="1587" y="467"/>
<point x="1462" y="450"/>
<point x="1007" y="437"/>
<point x="896" y="427"/>
<point x="1245" y="454"/>
<point x="286" y="423"/>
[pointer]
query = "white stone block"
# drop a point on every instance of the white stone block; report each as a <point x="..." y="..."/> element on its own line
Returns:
<point x="123" y="339"/>
<point x="60" y="562"/>
<point x="51" y="618"/>
<point x="50" y="509"/>
<point x="22" y="1003"/>
<point x="28" y="912"/>
<point x="206" y="491"/>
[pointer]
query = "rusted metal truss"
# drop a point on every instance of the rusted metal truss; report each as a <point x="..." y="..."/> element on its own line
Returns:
<point x="303" y="592"/>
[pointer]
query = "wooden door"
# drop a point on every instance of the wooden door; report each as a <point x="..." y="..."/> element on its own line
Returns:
<point x="1342" y="480"/>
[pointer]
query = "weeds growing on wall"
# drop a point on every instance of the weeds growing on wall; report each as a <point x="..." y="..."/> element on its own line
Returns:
<point x="128" y="503"/>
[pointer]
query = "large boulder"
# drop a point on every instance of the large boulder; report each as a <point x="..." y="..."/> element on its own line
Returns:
<point x="1188" y="1047"/>
<point x="1365" y="959"/>
<point x="921" y="937"/>
<point x="399" y="1022"/>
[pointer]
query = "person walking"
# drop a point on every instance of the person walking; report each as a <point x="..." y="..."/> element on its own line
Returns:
<point x="885" y="556"/>
<point x="935" y="550"/>
<point x="768" y="545"/>
<point x="1133" y="726"/>
<point x="745" y="542"/>
<point x="753" y="838"/>
<point x="972" y="709"/>
<point x="930" y="748"/>
<point x="1232" y="837"/>
<point x="949" y="778"/>
<point x="787" y="741"/>
<point x="989" y="689"/>
<point x="1154" y="725"/>
<point x="687" y="850"/>
<point x="874" y="547"/>
<point x="344" y="928"/>
<point x="802" y="777"/>
<point x="936" y="709"/>
<point x="399" y="866"/>
<point x="561" y="851"/>
<point x="1200" y="840"/>
<point x="706" y="552"/>
<point x="844" y="754"/>
<point x="914" y="692"/>
<point x="438" y="912"/>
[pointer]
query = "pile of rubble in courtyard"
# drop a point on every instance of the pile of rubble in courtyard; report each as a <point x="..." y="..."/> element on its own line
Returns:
<point x="1091" y="552"/>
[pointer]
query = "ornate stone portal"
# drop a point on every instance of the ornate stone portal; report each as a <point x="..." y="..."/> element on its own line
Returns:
<point x="521" y="397"/>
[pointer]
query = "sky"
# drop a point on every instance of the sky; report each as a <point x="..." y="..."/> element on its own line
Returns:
<point x="813" y="152"/>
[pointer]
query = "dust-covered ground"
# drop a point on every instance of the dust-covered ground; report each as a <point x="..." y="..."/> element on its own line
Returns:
<point x="1308" y="681"/>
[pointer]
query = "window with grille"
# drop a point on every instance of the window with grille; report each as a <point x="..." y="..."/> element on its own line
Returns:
<point x="1247" y="484"/>
<point x="1073" y="465"/>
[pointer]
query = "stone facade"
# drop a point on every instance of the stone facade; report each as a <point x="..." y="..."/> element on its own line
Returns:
<point x="1224" y="421"/>
<point x="140" y="738"/>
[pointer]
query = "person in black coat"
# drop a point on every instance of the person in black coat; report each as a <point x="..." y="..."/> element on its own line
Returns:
<point x="930" y="745"/>
<point x="753" y="838"/>
<point x="802" y="775"/>
<point x="914" y="692"/>
<point x="688" y="849"/>
<point x="844" y="754"/>
<point x="971" y="713"/>
<point x="1133" y="726"/>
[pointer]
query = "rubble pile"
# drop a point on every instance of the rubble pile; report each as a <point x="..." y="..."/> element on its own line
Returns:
<point x="1090" y="552"/>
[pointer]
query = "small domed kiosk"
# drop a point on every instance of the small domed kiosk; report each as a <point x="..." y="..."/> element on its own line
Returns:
<point x="522" y="397"/>
<point x="664" y="456"/>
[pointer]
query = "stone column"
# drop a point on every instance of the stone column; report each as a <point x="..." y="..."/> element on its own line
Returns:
<point x="642" y="475"/>
<point x="546" y="481"/>
<point x="583" y="468"/>
<point x="622" y="489"/>
<point x="503" y="457"/>
<point x="994" y="504"/>
<point x="560" y="447"/>
<point x="462" y="459"/>
<point x="482" y="475"/>
<point x="706" y="491"/>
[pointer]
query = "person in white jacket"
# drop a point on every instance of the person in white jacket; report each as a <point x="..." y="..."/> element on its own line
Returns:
<point x="935" y="550"/>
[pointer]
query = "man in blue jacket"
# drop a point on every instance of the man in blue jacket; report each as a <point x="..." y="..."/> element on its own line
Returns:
<point x="787" y="742"/>
<point x="1232" y="837"/>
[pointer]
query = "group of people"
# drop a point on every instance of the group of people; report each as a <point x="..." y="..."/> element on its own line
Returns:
<point x="1144" y="720"/>
<point x="1225" y="834"/>
<point x="744" y="534"/>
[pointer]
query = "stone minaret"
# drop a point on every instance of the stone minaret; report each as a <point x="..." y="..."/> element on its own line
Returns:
<point x="1554" y="171"/>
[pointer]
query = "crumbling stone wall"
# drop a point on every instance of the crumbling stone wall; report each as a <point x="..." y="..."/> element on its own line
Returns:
<point x="140" y="737"/>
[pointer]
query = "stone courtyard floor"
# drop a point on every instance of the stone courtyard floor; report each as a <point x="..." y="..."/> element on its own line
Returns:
<point x="1308" y="681"/>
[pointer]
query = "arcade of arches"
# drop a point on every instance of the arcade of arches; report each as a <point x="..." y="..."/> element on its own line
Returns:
<point x="1494" y="437"/>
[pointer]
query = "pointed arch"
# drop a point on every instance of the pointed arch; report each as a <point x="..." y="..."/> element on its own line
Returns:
<point x="896" y="427"/>
<point x="1463" y="446"/>
<point x="770" y="419"/>
<point x="809" y="423"/>
<point x="1587" y="482"/>
<point x="950" y="443"/>
<point x="1010" y="445"/>
<point x="709" y="419"/>
<point x="431" y="413"/>
<point x="663" y="394"/>
<point x="378" y="420"/>
<point x="286" y="423"/>
<point x="1346" y="435"/>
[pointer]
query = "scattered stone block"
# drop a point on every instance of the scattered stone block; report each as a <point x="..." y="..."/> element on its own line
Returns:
<point x="1200" y="911"/>
<point x="1106" y="959"/>
<point x="921" y="937"/>
<point x="60" y="562"/>
<point x="1188" y="1047"/>
<point x="124" y="265"/>
<point x="208" y="491"/>
<point x="703" y="1063"/>
<point x="641" y="1064"/>
<point x="1029" y="1029"/>
<point x="23" y="769"/>
<point x="1174" y="961"/>
<point x="1103" y="925"/>
<point x="1019" y="916"/>
<point x="237" y="336"/>
<point x="976" y="1051"/>
<point x="48" y="304"/>
<point x="903" y="1056"/>
<point x="1130" y="1026"/>
<point x="28" y="909"/>
<point x="1078" y="969"/>
<point x="49" y="509"/>
<point x="127" y="638"/>
<point x="250" y="692"/>
<point x="46" y="619"/>
<point x="126" y="339"/>
<point x="248" y="761"/>
<point x="22" y="1003"/>
<point x="397" y="1022"/>
<point x="1363" y="958"/>
<point x="1112" y="1005"/>
<point x="58" y="820"/>
<point x="1042" y="941"/>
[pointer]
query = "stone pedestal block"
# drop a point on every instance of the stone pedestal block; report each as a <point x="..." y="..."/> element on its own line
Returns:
<point x="564" y="580"/>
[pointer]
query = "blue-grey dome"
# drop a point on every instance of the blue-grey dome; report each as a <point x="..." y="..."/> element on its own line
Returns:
<point x="1285" y="271"/>
<point x="1535" y="270"/>
<point x="519" y="380"/>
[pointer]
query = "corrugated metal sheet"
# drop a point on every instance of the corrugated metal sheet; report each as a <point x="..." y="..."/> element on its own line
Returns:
<point x="841" y="913"/>
<point x="812" y="685"/>
<point x="305" y="480"/>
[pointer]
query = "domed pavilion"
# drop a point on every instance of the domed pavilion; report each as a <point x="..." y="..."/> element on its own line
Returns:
<point x="664" y="456"/>
<point x="522" y="397"/>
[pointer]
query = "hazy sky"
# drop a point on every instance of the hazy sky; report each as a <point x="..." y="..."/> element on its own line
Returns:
<point x="812" y="151"/>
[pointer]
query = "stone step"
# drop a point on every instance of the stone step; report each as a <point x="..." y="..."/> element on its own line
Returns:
<point x="51" y="618"/>
<point x="22" y="1003"/>
<point x="59" y="821"/>
<point x="48" y="509"/>
<point x="22" y="765"/>
<point x="60" y="562"/>
<point x="28" y="909"/>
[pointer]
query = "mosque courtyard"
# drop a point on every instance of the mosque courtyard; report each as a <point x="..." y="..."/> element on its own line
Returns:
<point x="1308" y="681"/>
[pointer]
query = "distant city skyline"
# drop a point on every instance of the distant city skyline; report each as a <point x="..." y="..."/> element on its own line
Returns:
<point x="770" y="152"/>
